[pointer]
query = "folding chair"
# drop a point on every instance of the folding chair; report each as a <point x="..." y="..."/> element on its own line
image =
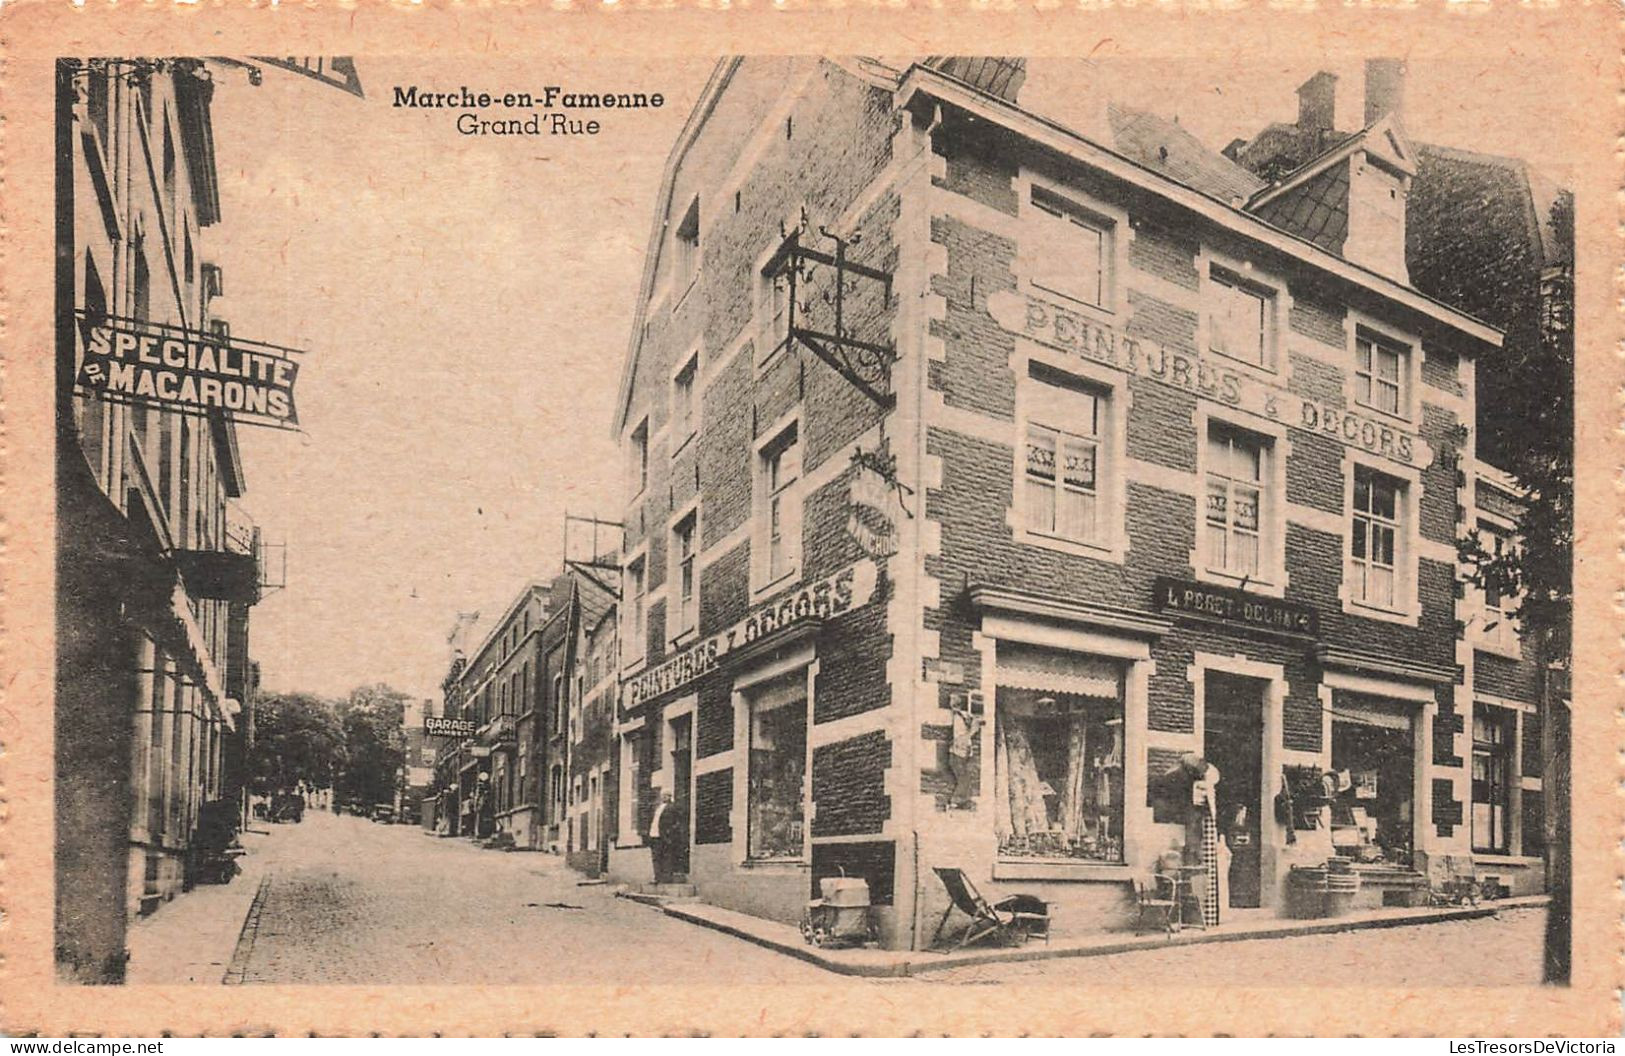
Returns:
<point x="1156" y="901"/>
<point x="1010" y="919"/>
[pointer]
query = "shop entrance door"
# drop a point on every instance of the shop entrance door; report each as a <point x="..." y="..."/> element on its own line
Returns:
<point x="682" y="769"/>
<point x="1233" y="742"/>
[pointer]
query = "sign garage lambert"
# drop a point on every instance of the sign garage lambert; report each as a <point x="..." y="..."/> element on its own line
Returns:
<point x="848" y="589"/>
<point x="1078" y="335"/>
<point x="435" y="726"/>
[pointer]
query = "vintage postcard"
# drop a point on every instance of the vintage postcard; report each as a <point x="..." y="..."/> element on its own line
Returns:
<point x="558" y="518"/>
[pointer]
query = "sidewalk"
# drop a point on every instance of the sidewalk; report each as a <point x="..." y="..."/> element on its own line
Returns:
<point x="191" y="938"/>
<point x="786" y="938"/>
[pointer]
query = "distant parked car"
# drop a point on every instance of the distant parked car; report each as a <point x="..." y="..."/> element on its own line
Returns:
<point x="383" y="812"/>
<point x="288" y="806"/>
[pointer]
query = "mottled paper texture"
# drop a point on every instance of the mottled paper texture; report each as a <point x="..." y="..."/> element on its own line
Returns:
<point x="456" y="309"/>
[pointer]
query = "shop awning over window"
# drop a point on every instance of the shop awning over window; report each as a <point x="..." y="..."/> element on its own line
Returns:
<point x="1055" y="671"/>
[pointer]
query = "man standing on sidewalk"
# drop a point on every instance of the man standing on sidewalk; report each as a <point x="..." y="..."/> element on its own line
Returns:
<point x="659" y="844"/>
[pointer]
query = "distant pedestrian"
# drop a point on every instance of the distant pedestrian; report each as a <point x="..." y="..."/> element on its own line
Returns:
<point x="659" y="844"/>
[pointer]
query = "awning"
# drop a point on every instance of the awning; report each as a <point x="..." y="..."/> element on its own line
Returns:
<point x="1056" y="671"/>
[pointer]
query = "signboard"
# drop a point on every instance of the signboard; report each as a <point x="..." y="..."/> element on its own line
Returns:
<point x="848" y="589"/>
<point x="1236" y="608"/>
<point x="156" y="365"/>
<point x="435" y="726"/>
<point x="873" y="505"/>
<point x="1204" y="376"/>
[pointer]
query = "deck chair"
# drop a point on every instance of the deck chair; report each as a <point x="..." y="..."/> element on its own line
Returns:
<point x="1009" y="919"/>
<point x="1155" y="901"/>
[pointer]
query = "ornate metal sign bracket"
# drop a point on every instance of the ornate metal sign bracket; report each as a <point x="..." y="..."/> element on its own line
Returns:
<point x="865" y="364"/>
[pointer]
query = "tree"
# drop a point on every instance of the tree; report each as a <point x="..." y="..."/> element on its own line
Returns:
<point x="375" y="744"/>
<point x="297" y="738"/>
<point x="1535" y="444"/>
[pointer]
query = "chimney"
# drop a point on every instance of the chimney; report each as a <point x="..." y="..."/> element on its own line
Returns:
<point x="1002" y="77"/>
<point x="1384" y="88"/>
<point x="1317" y="105"/>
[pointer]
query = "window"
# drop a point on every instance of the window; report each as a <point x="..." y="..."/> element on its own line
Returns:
<point x="682" y="402"/>
<point x="682" y="548"/>
<point x="1236" y="485"/>
<point x="1238" y="320"/>
<point x="1492" y="767"/>
<point x="1058" y="758"/>
<point x="1062" y="485"/>
<point x="1071" y="249"/>
<point x="524" y="688"/>
<point x="686" y="249"/>
<point x="634" y="594"/>
<point x="778" y="771"/>
<point x="776" y="298"/>
<point x="780" y="508"/>
<point x="1373" y="542"/>
<point x="1379" y="375"/>
<point x="558" y="706"/>
<point x="638" y="469"/>
<point x="1499" y="627"/>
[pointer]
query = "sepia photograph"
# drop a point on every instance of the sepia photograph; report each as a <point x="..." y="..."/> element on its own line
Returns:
<point x="973" y="519"/>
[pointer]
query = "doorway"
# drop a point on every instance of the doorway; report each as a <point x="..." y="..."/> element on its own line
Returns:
<point x="682" y="770"/>
<point x="1233" y="742"/>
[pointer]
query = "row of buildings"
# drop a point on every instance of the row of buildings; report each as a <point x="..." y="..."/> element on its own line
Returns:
<point x="158" y="566"/>
<point x="983" y="473"/>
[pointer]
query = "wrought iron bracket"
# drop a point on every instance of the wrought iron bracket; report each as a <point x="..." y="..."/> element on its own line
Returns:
<point x="866" y="365"/>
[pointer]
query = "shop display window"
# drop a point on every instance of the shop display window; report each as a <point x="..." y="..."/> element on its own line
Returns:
<point x="1058" y="773"/>
<point x="1370" y="787"/>
<point x="778" y="776"/>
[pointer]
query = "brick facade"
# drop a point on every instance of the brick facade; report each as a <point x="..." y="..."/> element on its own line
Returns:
<point x="907" y="697"/>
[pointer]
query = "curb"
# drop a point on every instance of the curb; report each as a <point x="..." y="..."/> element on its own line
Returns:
<point x="910" y="964"/>
<point x="238" y="968"/>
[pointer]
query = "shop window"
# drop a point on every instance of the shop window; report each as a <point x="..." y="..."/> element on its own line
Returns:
<point x="686" y="610"/>
<point x="1058" y="758"/>
<point x="1238" y="319"/>
<point x="1492" y="773"/>
<point x="686" y="249"/>
<point x="778" y="773"/>
<point x="1379" y="375"/>
<point x="682" y="402"/>
<point x="1236" y="493"/>
<point x="779" y="507"/>
<point x="1371" y="782"/>
<point x="1062" y="474"/>
<point x="1374" y="538"/>
<point x="1071" y="249"/>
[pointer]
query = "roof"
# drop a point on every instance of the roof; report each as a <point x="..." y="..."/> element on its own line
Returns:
<point x="1542" y="192"/>
<point x="1201" y="204"/>
<point x="1165" y="146"/>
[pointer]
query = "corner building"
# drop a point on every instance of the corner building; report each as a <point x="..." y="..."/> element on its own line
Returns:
<point x="1173" y="481"/>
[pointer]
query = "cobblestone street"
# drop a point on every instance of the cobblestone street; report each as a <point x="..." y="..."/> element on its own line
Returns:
<point x="343" y="900"/>
<point x="350" y="901"/>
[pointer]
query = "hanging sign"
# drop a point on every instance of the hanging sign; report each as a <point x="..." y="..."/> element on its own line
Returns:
<point x="848" y="589"/>
<point x="435" y="726"/>
<point x="133" y="361"/>
<point x="1237" y="608"/>
<point x="874" y="507"/>
<point x="1204" y="376"/>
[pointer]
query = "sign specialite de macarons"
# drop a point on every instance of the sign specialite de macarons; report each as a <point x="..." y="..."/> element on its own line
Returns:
<point x="161" y="366"/>
<point x="849" y="589"/>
